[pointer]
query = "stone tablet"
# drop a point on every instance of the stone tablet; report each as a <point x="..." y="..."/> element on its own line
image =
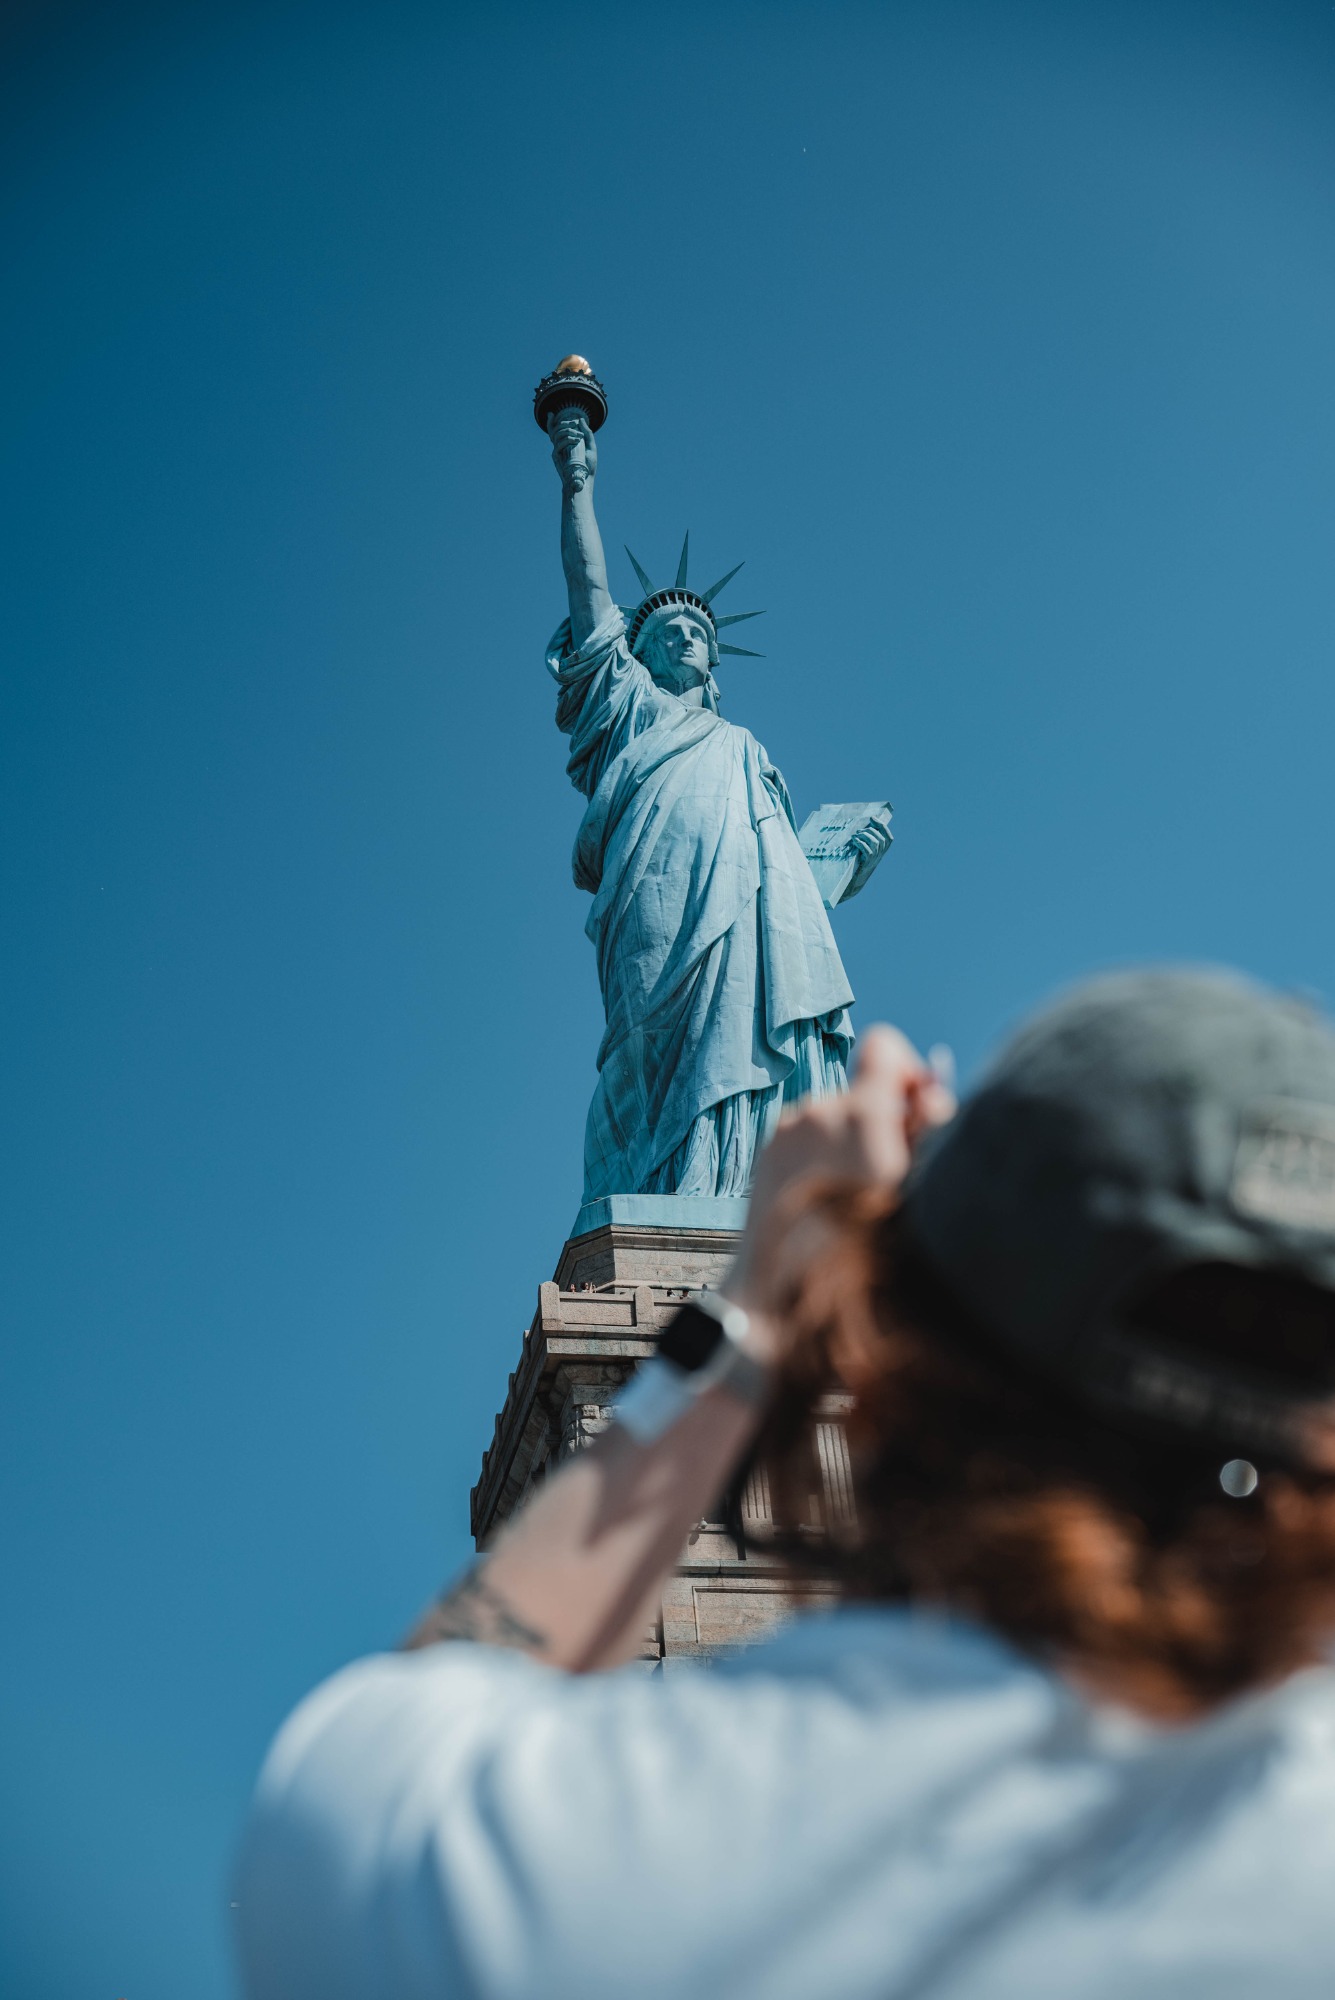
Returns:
<point x="833" y="838"/>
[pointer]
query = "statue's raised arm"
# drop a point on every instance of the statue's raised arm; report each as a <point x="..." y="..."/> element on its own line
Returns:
<point x="575" y="456"/>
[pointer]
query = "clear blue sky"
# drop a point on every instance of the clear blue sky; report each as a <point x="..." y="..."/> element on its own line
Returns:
<point x="996" y="337"/>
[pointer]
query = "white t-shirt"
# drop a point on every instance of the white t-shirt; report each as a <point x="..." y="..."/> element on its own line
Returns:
<point x="873" y="1805"/>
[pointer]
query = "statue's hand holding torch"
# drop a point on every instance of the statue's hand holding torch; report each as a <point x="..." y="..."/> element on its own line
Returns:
<point x="574" y="453"/>
<point x="570" y="404"/>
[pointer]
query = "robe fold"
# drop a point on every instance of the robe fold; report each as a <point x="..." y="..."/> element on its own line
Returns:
<point x="721" y="980"/>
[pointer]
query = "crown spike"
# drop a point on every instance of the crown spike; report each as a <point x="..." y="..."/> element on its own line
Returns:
<point x="737" y="618"/>
<point x="712" y="593"/>
<point x="680" y="583"/>
<point x="744" y="652"/>
<point x="645" y="585"/>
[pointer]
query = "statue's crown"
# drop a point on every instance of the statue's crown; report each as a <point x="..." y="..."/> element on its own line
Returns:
<point x="679" y="593"/>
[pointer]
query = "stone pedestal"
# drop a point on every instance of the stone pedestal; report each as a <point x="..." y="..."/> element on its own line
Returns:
<point x="620" y="1277"/>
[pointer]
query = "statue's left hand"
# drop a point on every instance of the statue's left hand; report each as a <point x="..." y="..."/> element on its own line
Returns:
<point x="871" y="843"/>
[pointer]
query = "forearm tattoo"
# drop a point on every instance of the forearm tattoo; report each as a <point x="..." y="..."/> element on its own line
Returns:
<point x="473" y="1610"/>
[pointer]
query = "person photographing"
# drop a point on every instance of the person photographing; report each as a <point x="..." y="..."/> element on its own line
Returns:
<point x="1069" y="1731"/>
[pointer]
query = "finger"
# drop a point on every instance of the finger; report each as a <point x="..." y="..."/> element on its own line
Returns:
<point x="928" y="1103"/>
<point x="886" y="1059"/>
<point x="941" y="1062"/>
<point x="939" y="1104"/>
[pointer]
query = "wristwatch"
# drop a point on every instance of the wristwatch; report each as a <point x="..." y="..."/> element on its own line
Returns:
<point x="699" y="1349"/>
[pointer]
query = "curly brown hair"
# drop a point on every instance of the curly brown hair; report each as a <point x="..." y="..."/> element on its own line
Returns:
<point x="1114" y="1556"/>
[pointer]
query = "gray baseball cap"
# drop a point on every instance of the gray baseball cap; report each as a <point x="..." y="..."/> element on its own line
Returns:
<point x="1146" y="1126"/>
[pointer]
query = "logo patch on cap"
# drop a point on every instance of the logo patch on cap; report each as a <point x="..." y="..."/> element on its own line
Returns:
<point x="1285" y="1166"/>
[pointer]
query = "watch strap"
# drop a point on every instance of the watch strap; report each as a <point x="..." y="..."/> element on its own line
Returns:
<point x="662" y="1389"/>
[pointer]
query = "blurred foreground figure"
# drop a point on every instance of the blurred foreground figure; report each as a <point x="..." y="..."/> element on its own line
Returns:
<point x="1070" y="1731"/>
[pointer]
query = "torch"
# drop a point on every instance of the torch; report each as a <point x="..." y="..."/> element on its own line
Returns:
<point x="572" y="385"/>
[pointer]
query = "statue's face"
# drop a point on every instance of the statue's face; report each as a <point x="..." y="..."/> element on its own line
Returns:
<point x="679" y="653"/>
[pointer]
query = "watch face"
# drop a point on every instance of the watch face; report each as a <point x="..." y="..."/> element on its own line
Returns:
<point x="690" y="1338"/>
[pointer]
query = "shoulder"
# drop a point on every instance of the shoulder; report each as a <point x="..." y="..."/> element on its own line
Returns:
<point x="494" y="1801"/>
<point x="605" y="645"/>
<point x="842" y="1673"/>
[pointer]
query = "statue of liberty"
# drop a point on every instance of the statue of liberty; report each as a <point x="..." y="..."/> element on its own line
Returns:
<point x="723" y="987"/>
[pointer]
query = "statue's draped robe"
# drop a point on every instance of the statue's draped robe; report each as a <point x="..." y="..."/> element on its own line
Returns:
<point x="721" y="980"/>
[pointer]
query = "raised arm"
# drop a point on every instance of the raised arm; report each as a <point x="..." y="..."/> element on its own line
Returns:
<point x="575" y="456"/>
<point x="575" y="1577"/>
